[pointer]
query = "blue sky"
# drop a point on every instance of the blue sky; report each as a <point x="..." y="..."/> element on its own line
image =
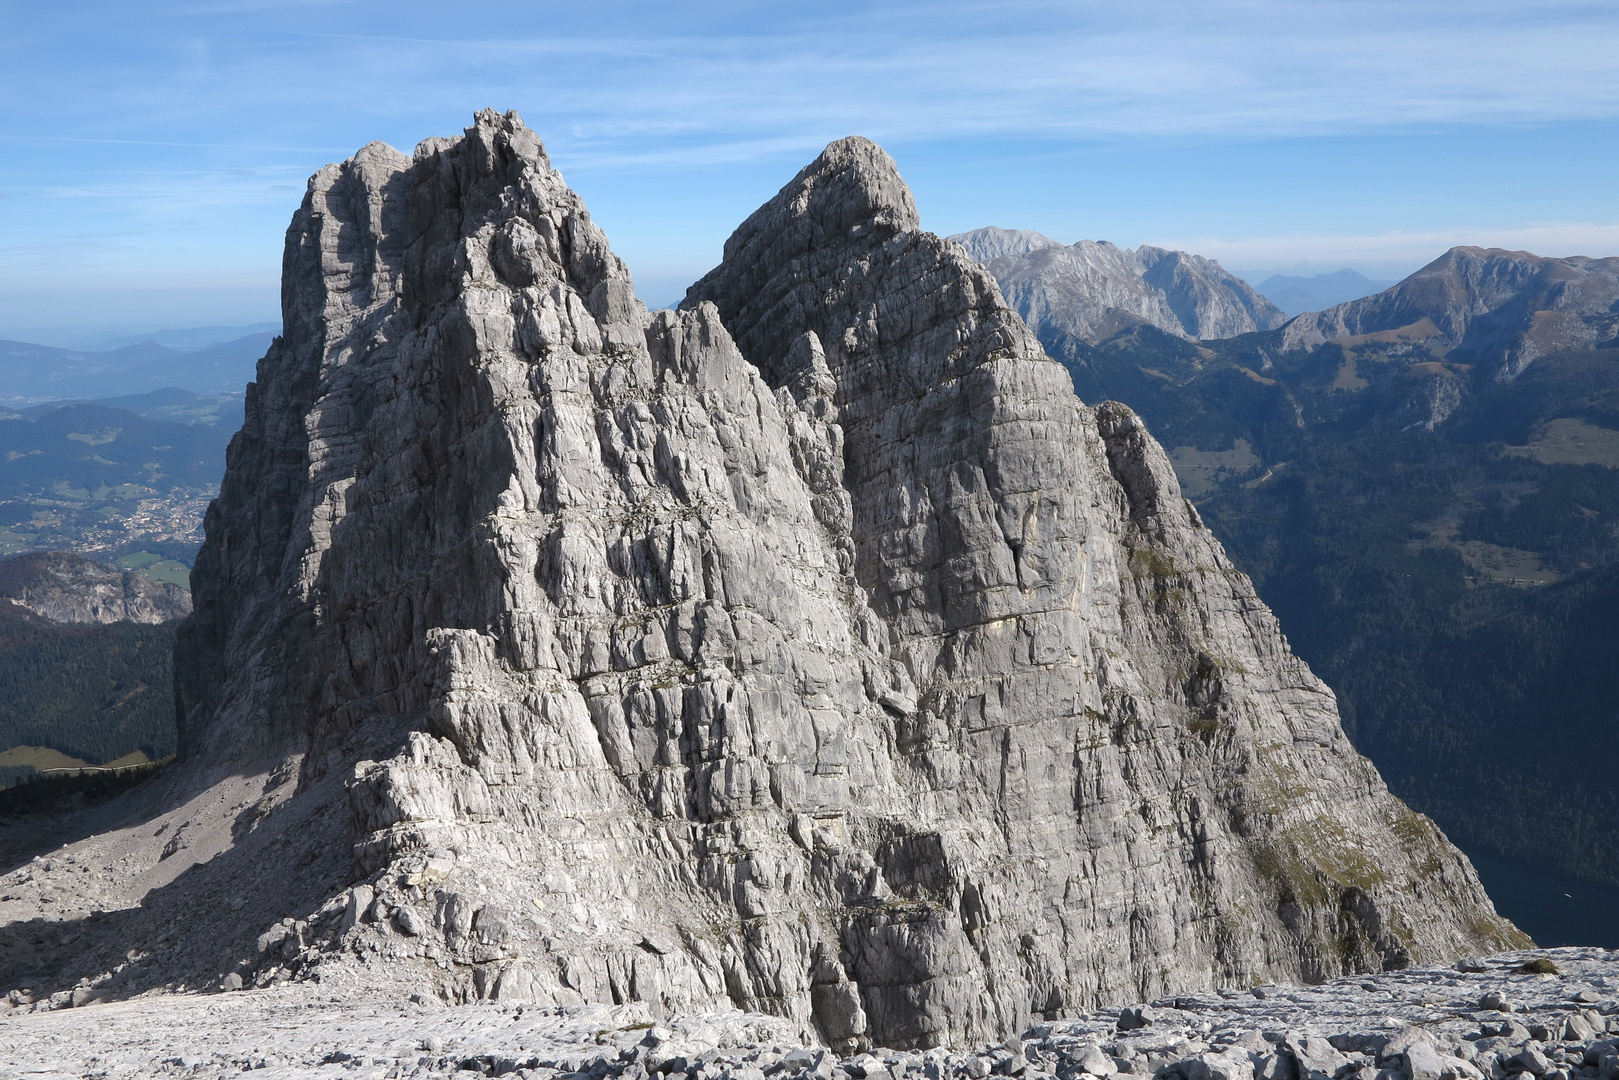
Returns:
<point x="151" y="153"/>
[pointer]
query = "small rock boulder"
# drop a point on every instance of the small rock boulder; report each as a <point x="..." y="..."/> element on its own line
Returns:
<point x="360" y="898"/>
<point x="1422" y="1061"/>
<point x="1317" y="1058"/>
<point x="410" y="922"/>
<point x="1231" y="1063"/>
<point x="1138" y="1017"/>
<point x="273" y="937"/>
<point x="1275" y="1067"/>
<point x="1577" y="1029"/>
<point x="1529" y="1060"/>
<point x="1594" y="1053"/>
<point x="1092" y="1060"/>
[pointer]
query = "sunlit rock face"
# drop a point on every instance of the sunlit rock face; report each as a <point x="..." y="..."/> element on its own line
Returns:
<point x="812" y="649"/>
<point x="1091" y="290"/>
<point x="68" y="588"/>
<point x="1504" y="309"/>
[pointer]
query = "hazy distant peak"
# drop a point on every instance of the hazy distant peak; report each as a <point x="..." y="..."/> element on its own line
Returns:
<point x="1511" y="306"/>
<point x="990" y="243"/>
<point x="140" y="352"/>
<point x="39" y="373"/>
<point x="1296" y="294"/>
<point x="1094" y="288"/>
<point x="188" y="338"/>
<point x="1345" y="277"/>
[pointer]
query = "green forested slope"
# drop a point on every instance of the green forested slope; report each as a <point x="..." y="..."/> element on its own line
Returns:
<point x="1439" y="543"/>
<point x="1478" y="699"/>
<point x="94" y="691"/>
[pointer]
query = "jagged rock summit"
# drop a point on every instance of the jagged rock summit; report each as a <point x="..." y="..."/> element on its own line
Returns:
<point x="69" y="588"/>
<point x="811" y="650"/>
<point x="1092" y="290"/>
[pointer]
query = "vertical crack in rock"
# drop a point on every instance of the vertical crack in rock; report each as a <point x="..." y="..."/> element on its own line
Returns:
<point x="812" y="649"/>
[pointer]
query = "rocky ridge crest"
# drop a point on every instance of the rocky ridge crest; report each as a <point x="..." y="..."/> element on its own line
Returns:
<point x="811" y="650"/>
<point x="1092" y="290"/>
<point x="1504" y="307"/>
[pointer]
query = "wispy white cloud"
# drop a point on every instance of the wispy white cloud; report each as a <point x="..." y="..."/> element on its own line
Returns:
<point x="896" y="71"/>
<point x="1150" y="68"/>
<point x="186" y="130"/>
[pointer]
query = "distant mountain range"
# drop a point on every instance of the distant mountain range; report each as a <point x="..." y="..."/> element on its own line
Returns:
<point x="1296" y="295"/>
<point x="191" y="337"/>
<point x="1424" y="485"/>
<point x="170" y="403"/>
<point x="1092" y="290"/>
<point x="31" y="373"/>
<point x="117" y="453"/>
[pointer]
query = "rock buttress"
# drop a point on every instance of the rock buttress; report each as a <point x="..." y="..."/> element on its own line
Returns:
<point x="811" y="650"/>
<point x="1134" y="783"/>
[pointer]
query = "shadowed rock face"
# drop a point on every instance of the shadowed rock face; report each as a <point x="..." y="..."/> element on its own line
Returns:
<point x="812" y="649"/>
<point x="1093" y="289"/>
<point x="68" y="588"/>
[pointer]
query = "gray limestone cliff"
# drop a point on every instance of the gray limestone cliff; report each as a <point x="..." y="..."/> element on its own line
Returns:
<point x="1506" y="308"/>
<point x="69" y="588"/>
<point x="810" y="650"/>
<point x="1093" y="289"/>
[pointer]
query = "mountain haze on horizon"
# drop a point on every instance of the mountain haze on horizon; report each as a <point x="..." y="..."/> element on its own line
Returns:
<point x="188" y="338"/>
<point x="32" y="374"/>
<point x="1297" y="294"/>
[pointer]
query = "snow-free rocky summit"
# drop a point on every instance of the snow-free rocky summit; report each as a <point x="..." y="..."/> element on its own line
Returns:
<point x="811" y="650"/>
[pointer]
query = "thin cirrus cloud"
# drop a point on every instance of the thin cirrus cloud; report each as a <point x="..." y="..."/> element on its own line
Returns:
<point x="1158" y="68"/>
<point x="1141" y="69"/>
<point x="956" y="71"/>
<point x="188" y="129"/>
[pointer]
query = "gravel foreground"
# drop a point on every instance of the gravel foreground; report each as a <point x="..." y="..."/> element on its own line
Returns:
<point x="1496" y="1018"/>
